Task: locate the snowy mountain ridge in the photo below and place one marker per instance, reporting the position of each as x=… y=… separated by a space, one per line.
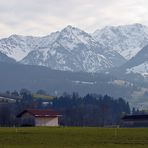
x=72 y=49
x=17 y=47
x=127 y=40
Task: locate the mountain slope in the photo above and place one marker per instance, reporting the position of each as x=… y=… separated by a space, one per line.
x=6 y=59
x=127 y=40
x=74 y=50
x=17 y=46
x=139 y=63
x=17 y=76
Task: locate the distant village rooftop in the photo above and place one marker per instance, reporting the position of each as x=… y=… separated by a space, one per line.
x=40 y=113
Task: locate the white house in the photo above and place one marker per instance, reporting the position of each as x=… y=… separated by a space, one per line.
x=39 y=117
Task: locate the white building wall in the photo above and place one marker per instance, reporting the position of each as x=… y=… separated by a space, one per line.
x=46 y=121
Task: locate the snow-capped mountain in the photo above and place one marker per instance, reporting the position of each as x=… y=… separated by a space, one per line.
x=139 y=63
x=127 y=40
x=74 y=50
x=17 y=46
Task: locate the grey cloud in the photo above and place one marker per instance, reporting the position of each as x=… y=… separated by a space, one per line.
x=39 y=17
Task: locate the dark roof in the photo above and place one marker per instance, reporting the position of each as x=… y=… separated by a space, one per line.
x=40 y=113
x=135 y=117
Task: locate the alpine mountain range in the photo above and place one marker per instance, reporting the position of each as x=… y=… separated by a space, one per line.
x=72 y=49
x=114 y=49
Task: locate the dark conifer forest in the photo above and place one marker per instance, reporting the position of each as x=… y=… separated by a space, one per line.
x=88 y=110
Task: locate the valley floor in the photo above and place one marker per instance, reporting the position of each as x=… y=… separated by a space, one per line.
x=73 y=137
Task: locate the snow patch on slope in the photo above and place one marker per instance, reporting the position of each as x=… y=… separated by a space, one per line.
x=141 y=69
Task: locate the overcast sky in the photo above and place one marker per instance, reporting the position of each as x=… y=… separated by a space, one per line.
x=40 y=17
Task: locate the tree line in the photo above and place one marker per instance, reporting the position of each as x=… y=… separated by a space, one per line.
x=88 y=110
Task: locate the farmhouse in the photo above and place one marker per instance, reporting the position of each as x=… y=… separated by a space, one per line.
x=37 y=117
x=135 y=121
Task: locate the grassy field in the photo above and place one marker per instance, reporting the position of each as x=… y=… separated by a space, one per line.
x=73 y=138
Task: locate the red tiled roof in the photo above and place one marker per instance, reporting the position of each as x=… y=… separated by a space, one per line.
x=40 y=113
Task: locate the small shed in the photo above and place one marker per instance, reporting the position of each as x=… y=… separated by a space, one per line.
x=39 y=117
x=135 y=121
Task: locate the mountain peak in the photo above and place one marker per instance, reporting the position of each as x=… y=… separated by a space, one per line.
x=138 y=25
x=127 y=40
x=15 y=36
x=70 y=28
x=74 y=32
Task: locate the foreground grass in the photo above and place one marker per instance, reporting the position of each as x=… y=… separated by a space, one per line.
x=73 y=138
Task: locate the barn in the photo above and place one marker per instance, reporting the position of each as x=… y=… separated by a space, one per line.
x=39 y=117
x=135 y=121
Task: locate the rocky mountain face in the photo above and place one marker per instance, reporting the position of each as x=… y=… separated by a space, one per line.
x=17 y=46
x=72 y=49
x=127 y=40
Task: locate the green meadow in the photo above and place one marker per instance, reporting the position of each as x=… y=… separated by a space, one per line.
x=73 y=137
